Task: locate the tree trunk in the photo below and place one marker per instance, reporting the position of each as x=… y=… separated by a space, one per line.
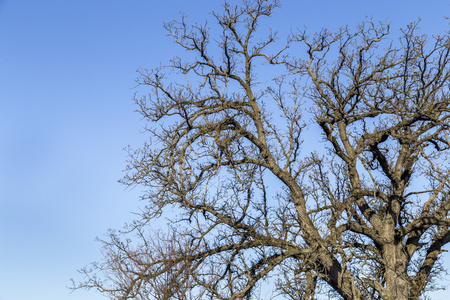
x=397 y=283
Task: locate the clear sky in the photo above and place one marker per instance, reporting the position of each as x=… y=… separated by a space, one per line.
x=67 y=71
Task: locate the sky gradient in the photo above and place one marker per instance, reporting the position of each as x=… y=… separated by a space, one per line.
x=67 y=71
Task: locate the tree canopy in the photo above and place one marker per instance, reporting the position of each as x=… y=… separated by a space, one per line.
x=230 y=134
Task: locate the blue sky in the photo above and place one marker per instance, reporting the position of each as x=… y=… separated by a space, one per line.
x=67 y=71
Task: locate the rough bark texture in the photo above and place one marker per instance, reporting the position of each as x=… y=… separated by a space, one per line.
x=365 y=220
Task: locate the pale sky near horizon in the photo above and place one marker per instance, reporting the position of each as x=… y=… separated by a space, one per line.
x=67 y=71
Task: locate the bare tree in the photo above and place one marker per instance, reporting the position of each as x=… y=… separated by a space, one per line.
x=366 y=219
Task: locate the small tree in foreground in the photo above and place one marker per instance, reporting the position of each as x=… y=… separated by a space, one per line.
x=366 y=219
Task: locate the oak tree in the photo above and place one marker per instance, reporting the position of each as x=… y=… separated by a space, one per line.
x=314 y=165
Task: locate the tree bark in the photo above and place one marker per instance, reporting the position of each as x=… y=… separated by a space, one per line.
x=397 y=283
